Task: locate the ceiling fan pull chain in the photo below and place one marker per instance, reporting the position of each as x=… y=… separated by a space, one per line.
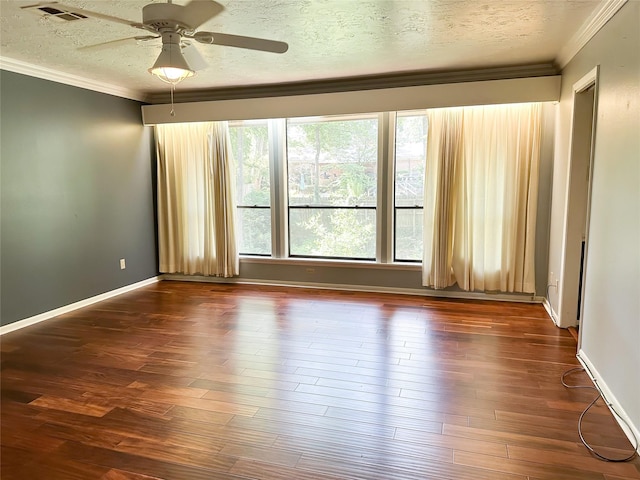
x=172 y=112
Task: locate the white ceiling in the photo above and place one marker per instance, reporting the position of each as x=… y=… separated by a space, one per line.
x=327 y=39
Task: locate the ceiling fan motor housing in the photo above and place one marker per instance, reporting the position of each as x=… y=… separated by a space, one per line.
x=165 y=16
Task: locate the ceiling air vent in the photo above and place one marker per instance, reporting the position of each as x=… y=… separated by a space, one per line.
x=61 y=14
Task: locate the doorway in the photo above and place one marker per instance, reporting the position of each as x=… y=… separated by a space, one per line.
x=576 y=226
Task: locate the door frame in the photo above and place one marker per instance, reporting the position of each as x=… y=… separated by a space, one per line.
x=578 y=199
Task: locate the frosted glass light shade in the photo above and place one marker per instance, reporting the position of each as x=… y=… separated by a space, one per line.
x=171 y=66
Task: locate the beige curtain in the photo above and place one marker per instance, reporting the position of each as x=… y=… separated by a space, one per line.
x=196 y=201
x=444 y=150
x=480 y=227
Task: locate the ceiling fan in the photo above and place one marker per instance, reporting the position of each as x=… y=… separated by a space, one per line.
x=177 y=25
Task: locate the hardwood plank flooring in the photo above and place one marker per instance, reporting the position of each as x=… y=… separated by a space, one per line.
x=193 y=381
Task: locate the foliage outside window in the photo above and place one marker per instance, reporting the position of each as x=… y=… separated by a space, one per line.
x=410 y=160
x=332 y=186
x=250 y=145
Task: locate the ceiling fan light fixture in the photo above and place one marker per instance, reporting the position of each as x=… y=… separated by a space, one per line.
x=171 y=66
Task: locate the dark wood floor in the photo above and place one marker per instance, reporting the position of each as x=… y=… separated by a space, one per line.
x=198 y=381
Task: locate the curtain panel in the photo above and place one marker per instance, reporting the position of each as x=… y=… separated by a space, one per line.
x=196 y=200
x=481 y=189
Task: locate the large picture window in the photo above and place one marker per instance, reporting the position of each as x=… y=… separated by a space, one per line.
x=410 y=160
x=332 y=186
x=250 y=145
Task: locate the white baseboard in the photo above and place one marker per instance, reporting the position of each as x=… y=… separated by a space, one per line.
x=522 y=298
x=610 y=399
x=74 y=306
x=547 y=306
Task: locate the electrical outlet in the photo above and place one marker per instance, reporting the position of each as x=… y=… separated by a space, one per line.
x=123 y=264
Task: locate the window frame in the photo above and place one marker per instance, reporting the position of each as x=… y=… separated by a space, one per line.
x=376 y=207
x=395 y=207
x=385 y=206
x=243 y=123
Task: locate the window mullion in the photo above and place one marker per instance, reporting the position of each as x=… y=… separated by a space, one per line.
x=385 y=187
x=278 y=172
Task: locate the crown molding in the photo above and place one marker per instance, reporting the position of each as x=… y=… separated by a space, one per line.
x=600 y=16
x=44 y=73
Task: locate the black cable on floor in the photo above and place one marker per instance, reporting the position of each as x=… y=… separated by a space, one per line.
x=584 y=412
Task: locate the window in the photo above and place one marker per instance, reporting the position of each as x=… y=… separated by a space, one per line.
x=410 y=160
x=250 y=145
x=332 y=186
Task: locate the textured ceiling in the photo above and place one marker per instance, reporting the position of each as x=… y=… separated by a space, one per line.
x=327 y=39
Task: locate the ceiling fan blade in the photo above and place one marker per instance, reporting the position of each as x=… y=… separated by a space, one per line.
x=86 y=13
x=193 y=57
x=197 y=12
x=239 y=41
x=111 y=43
